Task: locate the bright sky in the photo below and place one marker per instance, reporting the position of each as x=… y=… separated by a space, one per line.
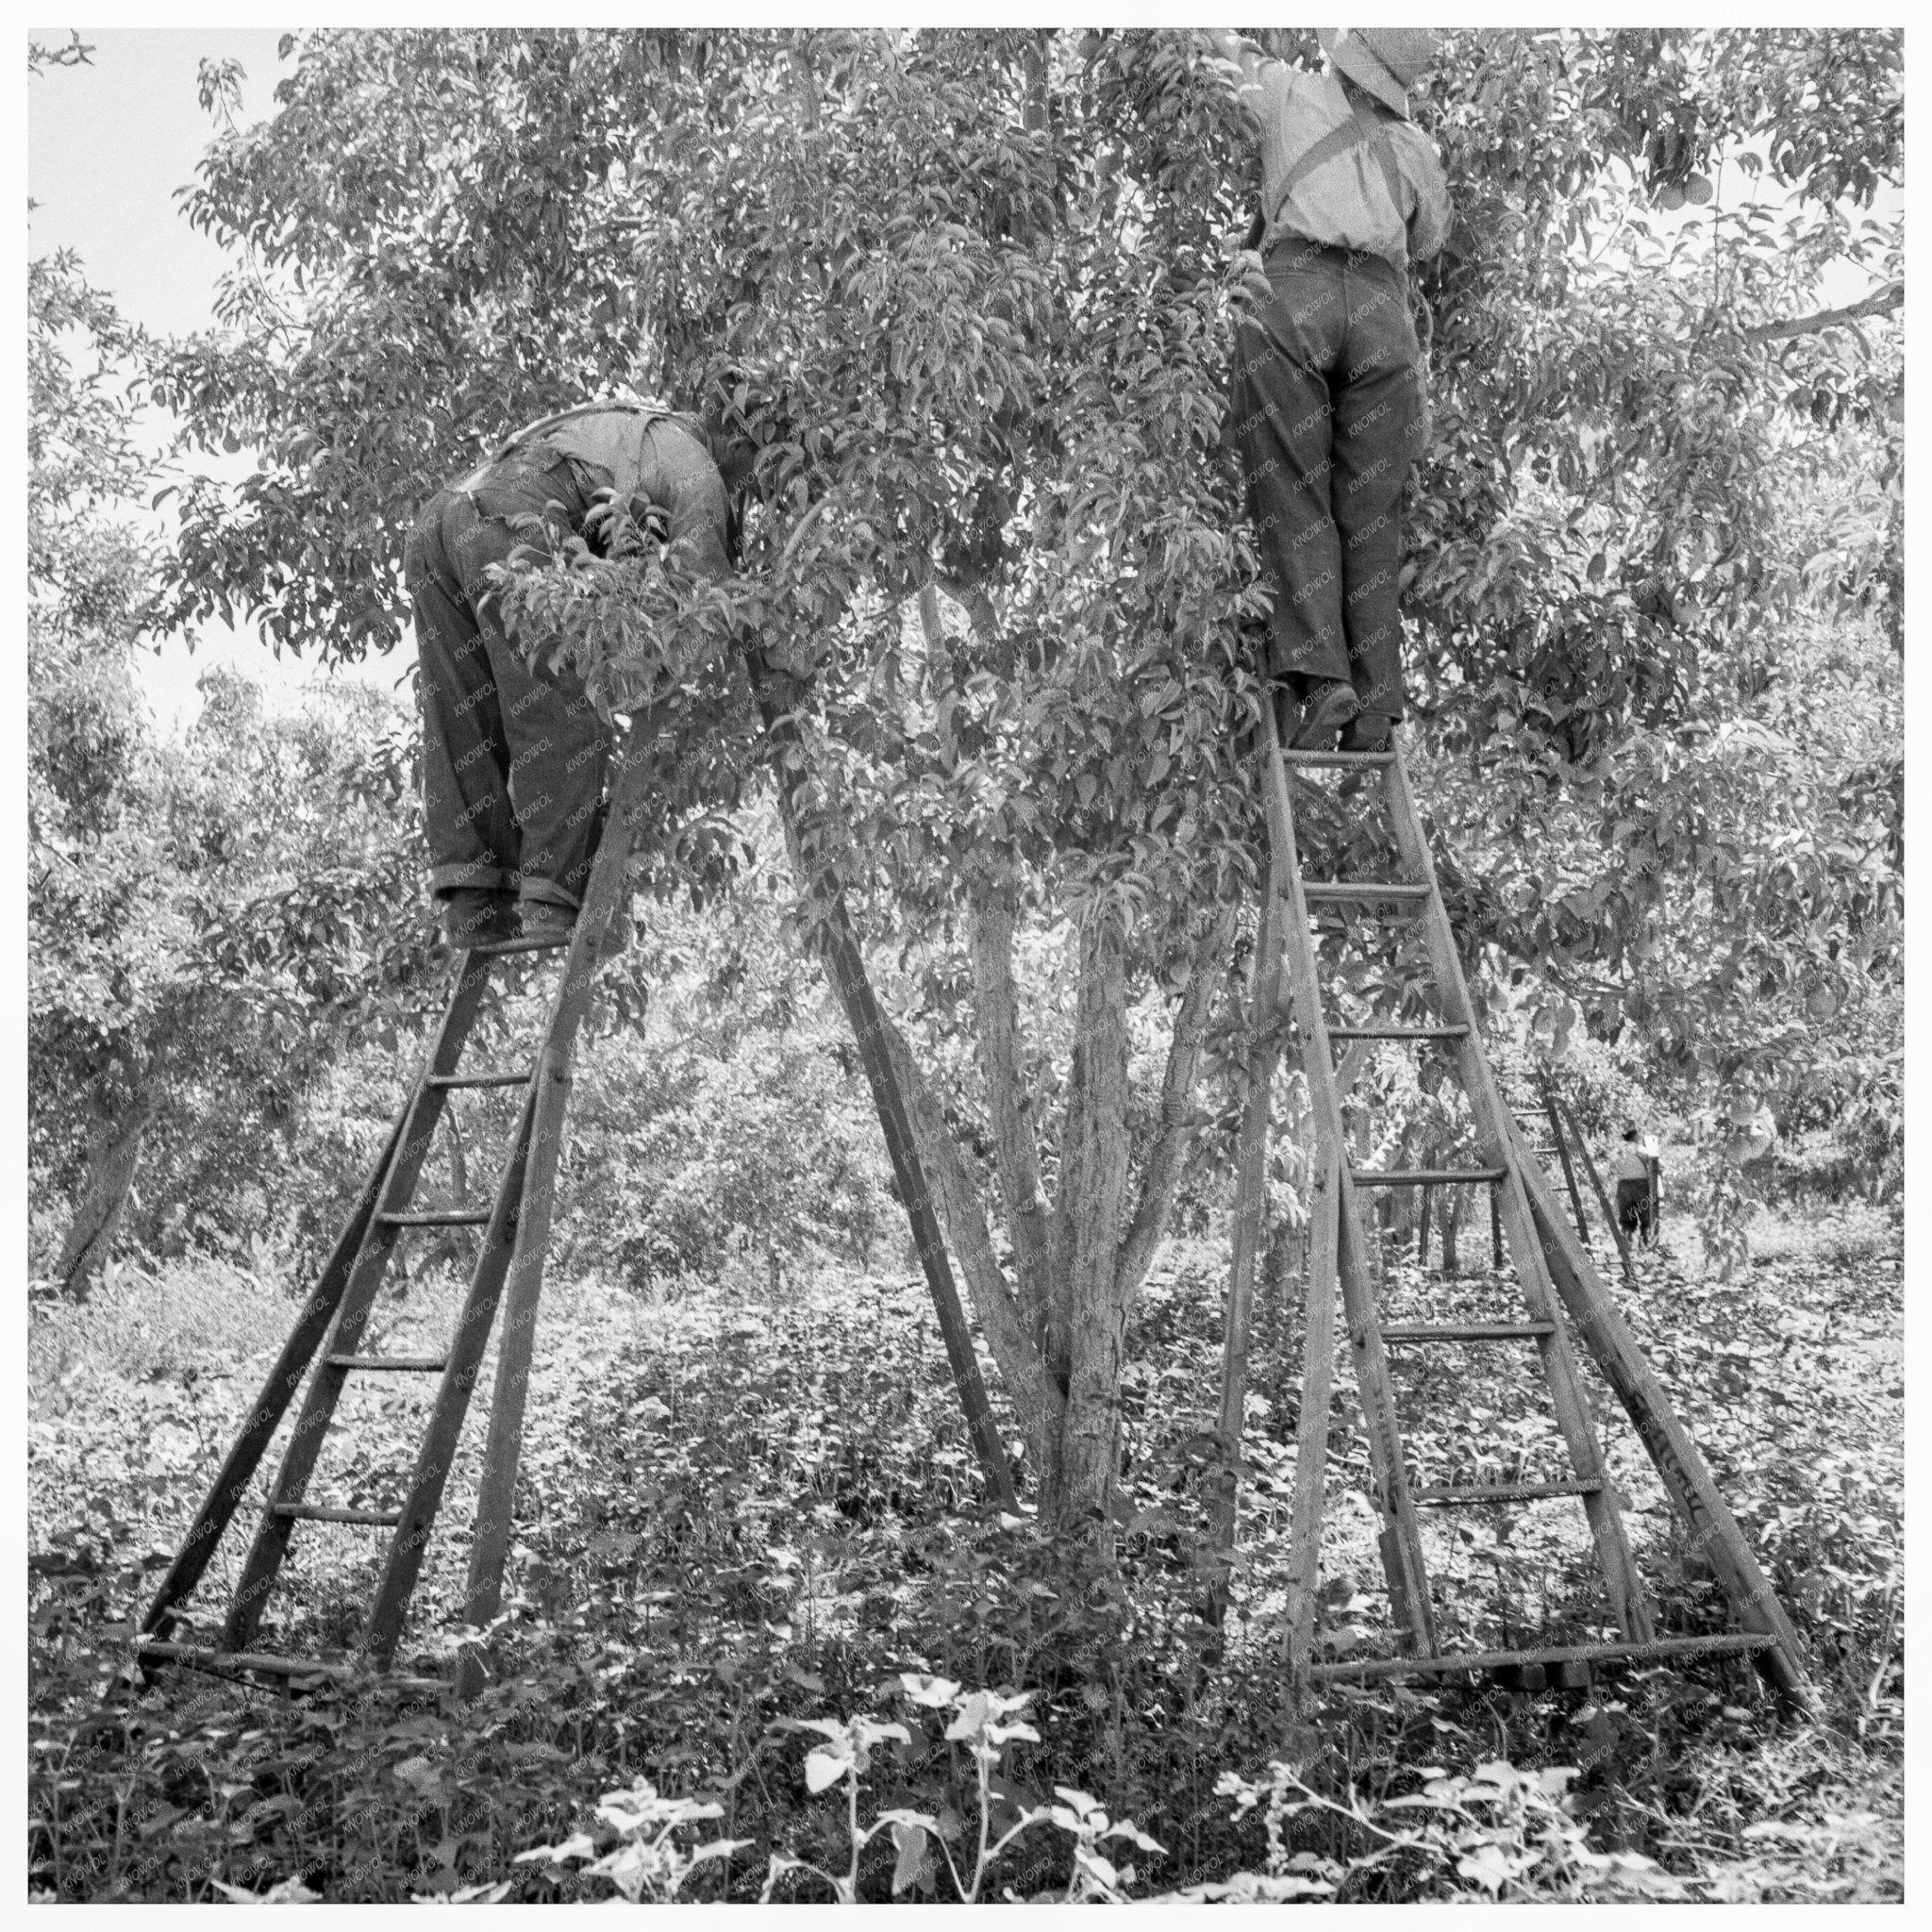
x=108 y=146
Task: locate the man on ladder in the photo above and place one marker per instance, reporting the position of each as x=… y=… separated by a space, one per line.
x=514 y=755
x=1327 y=401
x=515 y=762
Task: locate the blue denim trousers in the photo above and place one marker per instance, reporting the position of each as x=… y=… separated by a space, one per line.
x=1326 y=407
x=514 y=756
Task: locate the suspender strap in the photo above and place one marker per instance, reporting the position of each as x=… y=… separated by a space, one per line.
x=1362 y=130
x=1377 y=139
x=1337 y=141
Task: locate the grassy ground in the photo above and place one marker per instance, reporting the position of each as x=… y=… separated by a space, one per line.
x=739 y=1512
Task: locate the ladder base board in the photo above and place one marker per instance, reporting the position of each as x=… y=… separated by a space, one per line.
x=1453 y=1495
x=1466 y=1331
x=499 y=949
x=1398 y=1032
x=1734 y=1644
x=415 y=1364
x=1363 y=892
x=1425 y=1176
x=1355 y=760
x=322 y=1512
x=228 y=1663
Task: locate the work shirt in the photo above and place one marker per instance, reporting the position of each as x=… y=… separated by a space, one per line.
x=638 y=449
x=1320 y=174
x=1630 y=1164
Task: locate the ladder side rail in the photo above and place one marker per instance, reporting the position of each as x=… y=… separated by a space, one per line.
x=409 y=1541
x=1562 y=1148
x=1401 y=1544
x=1495 y=1126
x=1311 y=1428
x=1468 y=1663
x=1596 y=1182
x=1685 y=1475
x=1401 y=1540
x=1249 y=1209
x=503 y=1446
x=837 y=943
x=416 y=1129
x=238 y=1469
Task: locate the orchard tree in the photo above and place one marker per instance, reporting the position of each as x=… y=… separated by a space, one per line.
x=981 y=287
x=206 y=919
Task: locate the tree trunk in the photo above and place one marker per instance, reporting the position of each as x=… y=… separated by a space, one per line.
x=1091 y=1214
x=113 y=1150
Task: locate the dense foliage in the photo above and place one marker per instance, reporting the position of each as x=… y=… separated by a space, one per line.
x=740 y=1514
x=975 y=289
x=209 y=917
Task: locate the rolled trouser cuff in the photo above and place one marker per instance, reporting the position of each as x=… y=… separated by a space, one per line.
x=474 y=874
x=548 y=892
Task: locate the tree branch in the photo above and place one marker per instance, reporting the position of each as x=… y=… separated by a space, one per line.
x=1035 y=1396
x=798 y=49
x=995 y=1013
x=973 y=599
x=1008 y=1106
x=1161 y=1175
x=1880 y=302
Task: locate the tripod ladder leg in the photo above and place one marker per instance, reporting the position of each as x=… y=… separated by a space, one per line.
x=1251 y=1200
x=1311 y=1428
x=503 y=1447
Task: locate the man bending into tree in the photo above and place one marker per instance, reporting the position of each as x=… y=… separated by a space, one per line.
x=514 y=754
x=1326 y=397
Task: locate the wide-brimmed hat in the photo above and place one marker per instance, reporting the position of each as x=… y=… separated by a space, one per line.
x=1387 y=61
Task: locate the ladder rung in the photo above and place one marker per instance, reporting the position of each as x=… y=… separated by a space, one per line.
x=241 y=1661
x=1397 y=1032
x=1361 y=892
x=544 y=942
x=439 y=1217
x=1467 y=1331
x=1356 y=759
x=1731 y=1644
x=202 y=1656
x=1422 y=1177
x=425 y=1364
x=320 y=1512
x=479 y=1079
x=1506 y=1492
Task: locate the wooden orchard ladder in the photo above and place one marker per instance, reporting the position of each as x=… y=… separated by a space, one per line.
x=509 y=1270
x=1560 y=1290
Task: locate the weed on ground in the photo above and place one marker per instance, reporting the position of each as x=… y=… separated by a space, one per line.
x=739 y=1517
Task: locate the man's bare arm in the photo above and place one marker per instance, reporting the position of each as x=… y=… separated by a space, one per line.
x=1240 y=54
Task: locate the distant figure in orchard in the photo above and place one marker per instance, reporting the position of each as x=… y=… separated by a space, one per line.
x=1327 y=401
x=514 y=755
x=1639 y=1173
